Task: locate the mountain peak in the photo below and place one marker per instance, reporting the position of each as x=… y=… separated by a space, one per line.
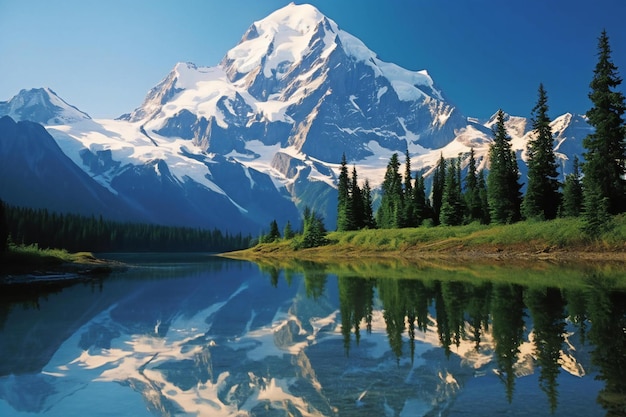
x=41 y=105
x=280 y=41
x=299 y=18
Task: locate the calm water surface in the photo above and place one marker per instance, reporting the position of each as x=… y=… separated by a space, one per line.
x=195 y=335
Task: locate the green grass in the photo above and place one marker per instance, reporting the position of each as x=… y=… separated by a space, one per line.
x=554 y=252
x=32 y=256
x=521 y=237
x=529 y=235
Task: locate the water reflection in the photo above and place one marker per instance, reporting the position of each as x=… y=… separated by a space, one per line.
x=554 y=321
x=205 y=336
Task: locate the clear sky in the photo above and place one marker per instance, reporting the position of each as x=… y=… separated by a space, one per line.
x=103 y=56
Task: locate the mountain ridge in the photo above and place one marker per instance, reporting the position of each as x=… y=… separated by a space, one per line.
x=260 y=136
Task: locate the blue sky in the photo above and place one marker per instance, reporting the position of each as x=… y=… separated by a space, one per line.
x=104 y=56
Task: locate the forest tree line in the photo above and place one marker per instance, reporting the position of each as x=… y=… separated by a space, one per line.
x=596 y=192
x=82 y=233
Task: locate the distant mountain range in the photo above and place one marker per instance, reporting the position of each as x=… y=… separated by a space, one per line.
x=256 y=138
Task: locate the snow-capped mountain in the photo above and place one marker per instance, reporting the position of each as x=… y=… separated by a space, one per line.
x=41 y=105
x=34 y=172
x=297 y=80
x=259 y=136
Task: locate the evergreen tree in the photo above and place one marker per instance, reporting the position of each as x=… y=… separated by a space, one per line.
x=390 y=211
x=409 y=218
x=419 y=200
x=451 y=207
x=597 y=218
x=502 y=182
x=4 y=228
x=313 y=231
x=439 y=180
x=472 y=192
x=572 y=192
x=357 y=209
x=78 y=233
x=542 y=197
x=605 y=160
x=484 y=198
x=344 y=215
x=274 y=234
x=288 y=231
x=368 y=214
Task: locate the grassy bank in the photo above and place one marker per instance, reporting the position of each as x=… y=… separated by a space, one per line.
x=560 y=238
x=32 y=260
x=554 y=253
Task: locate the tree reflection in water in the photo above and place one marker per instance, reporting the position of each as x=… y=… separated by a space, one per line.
x=509 y=312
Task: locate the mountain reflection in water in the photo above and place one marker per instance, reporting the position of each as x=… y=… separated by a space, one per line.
x=208 y=336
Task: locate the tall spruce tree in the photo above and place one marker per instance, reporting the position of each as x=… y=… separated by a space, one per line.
x=439 y=181
x=451 y=207
x=605 y=160
x=472 y=192
x=503 y=180
x=368 y=214
x=356 y=202
x=389 y=213
x=409 y=218
x=542 y=197
x=274 y=233
x=344 y=215
x=288 y=232
x=572 y=192
x=419 y=200
x=484 y=198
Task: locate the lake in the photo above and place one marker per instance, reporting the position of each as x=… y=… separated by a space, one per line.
x=196 y=335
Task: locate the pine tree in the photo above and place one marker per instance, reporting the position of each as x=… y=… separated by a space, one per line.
x=313 y=231
x=502 y=182
x=472 y=192
x=368 y=214
x=274 y=234
x=451 y=207
x=390 y=211
x=572 y=192
x=344 y=214
x=484 y=198
x=356 y=204
x=439 y=180
x=605 y=159
x=419 y=200
x=288 y=231
x=542 y=197
x=409 y=218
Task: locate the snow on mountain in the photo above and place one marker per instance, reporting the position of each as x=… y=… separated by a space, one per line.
x=260 y=136
x=36 y=172
x=296 y=79
x=568 y=131
x=41 y=105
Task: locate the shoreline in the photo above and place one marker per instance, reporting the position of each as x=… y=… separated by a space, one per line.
x=343 y=253
x=15 y=276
